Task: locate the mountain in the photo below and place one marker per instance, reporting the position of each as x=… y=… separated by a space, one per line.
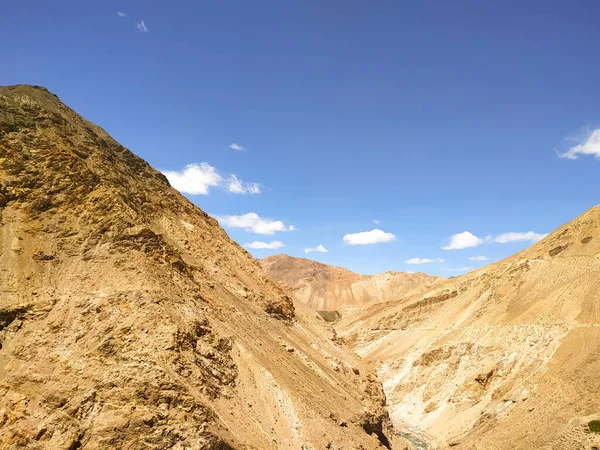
x=328 y=288
x=504 y=357
x=129 y=319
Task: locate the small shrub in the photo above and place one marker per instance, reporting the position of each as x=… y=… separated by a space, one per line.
x=330 y=316
x=41 y=204
x=594 y=426
x=556 y=250
x=6 y=128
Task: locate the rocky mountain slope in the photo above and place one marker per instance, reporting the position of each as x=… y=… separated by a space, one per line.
x=330 y=288
x=504 y=357
x=129 y=319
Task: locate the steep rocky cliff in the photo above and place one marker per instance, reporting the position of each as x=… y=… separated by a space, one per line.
x=129 y=319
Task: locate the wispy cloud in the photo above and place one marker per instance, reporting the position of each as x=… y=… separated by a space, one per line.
x=424 y=260
x=195 y=179
x=466 y=239
x=121 y=14
x=252 y=223
x=141 y=27
x=236 y=186
x=375 y=236
x=517 y=237
x=237 y=147
x=459 y=269
x=591 y=146
x=375 y=221
x=273 y=245
x=318 y=248
x=478 y=258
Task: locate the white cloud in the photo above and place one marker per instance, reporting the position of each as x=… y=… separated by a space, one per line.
x=195 y=179
x=375 y=221
x=318 y=248
x=141 y=27
x=460 y=269
x=468 y=240
x=121 y=14
x=236 y=186
x=253 y=188
x=252 y=223
x=462 y=240
x=478 y=258
x=517 y=237
x=368 y=237
x=423 y=260
x=264 y=245
x=590 y=147
x=237 y=147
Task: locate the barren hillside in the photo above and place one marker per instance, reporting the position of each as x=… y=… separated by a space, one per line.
x=129 y=319
x=504 y=357
x=329 y=288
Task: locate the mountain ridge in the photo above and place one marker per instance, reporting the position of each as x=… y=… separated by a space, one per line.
x=325 y=287
x=280 y=255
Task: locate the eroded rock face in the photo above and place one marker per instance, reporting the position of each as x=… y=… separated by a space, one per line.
x=504 y=357
x=129 y=319
x=330 y=288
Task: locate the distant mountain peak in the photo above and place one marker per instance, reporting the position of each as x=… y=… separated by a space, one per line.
x=325 y=287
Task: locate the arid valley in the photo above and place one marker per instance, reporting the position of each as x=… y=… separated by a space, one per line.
x=129 y=319
x=299 y=225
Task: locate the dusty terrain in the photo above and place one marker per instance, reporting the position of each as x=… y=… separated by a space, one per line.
x=504 y=357
x=330 y=288
x=129 y=319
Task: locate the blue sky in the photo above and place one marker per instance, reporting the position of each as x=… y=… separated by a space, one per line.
x=433 y=118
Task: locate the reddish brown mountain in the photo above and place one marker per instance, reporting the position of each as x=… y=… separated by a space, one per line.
x=329 y=288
